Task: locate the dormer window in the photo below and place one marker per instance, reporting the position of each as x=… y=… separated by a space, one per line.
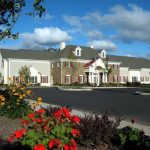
x=78 y=51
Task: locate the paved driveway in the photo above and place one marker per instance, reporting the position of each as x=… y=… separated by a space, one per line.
x=120 y=101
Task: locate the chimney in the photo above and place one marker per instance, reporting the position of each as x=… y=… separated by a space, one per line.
x=62 y=45
x=92 y=46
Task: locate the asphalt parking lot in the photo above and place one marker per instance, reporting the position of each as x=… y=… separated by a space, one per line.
x=120 y=101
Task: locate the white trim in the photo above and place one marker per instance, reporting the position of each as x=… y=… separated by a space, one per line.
x=81 y=78
x=69 y=78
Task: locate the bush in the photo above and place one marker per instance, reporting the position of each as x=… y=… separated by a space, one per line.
x=12 y=101
x=41 y=131
x=95 y=129
x=132 y=138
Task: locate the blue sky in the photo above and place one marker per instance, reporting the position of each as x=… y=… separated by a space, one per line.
x=119 y=26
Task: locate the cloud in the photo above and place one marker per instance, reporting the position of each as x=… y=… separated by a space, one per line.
x=129 y=24
x=45 y=37
x=94 y=34
x=103 y=44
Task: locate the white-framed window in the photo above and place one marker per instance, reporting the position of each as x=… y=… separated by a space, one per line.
x=58 y=65
x=134 y=79
x=80 y=79
x=67 y=79
x=78 y=51
x=33 y=79
x=52 y=66
x=125 y=78
x=115 y=78
x=67 y=64
x=44 y=79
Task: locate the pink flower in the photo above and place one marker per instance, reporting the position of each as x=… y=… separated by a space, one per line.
x=39 y=147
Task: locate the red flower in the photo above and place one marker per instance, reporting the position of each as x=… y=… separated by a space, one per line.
x=55 y=143
x=24 y=122
x=10 y=139
x=41 y=111
x=20 y=133
x=66 y=112
x=75 y=132
x=39 y=120
x=75 y=119
x=66 y=147
x=70 y=146
x=31 y=116
x=57 y=114
x=47 y=128
x=39 y=147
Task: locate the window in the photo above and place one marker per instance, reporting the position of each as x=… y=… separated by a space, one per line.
x=80 y=79
x=142 y=79
x=67 y=79
x=67 y=64
x=44 y=79
x=125 y=78
x=134 y=79
x=58 y=65
x=52 y=66
x=115 y=78
x=78 y=53
x=33 y=79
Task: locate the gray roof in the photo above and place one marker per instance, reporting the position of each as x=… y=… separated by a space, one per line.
x=26 y=54
x=131 y=62
x=87 y=54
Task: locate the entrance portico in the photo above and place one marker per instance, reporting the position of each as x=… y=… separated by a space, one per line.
x=96 y=72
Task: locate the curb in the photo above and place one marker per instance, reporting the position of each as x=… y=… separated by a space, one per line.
x=123 y=123
x=71 y=89
x=141 y=93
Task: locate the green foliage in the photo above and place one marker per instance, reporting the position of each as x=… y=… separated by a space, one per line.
x=25 y=73
x=40 y=128
x=10 y=11
x=130 y=137
x=13 y=105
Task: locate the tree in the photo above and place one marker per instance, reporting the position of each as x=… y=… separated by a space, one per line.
x=24 y=73
x=10 y=11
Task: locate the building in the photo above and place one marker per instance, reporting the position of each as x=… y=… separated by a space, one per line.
x=73 y=64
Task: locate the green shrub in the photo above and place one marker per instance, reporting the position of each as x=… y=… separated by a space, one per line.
x=12 y=103
x=53 y=132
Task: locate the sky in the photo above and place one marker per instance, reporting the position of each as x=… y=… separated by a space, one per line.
x=122 y=27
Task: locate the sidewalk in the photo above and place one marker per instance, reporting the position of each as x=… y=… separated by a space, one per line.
x=123 y=123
